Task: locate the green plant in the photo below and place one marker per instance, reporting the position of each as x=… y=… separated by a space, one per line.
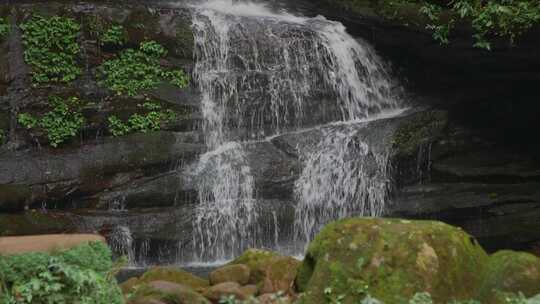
x=51 y=48
x=79 y=275
x=228 y=300
x=421 y=298
x=137 y=70
x=115 y=35
x=63 y=121
x=489 y=19
x=149 y=121
x=4 y=28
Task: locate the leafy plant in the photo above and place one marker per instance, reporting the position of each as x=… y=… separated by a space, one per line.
x=4 y=28
x=150 y=121
x=51 y=48
x=494 y=18
x=62 y=122
x=421 y=298
x=79 y=275
x=115 y=35
x=228 y=300
x=137 y=70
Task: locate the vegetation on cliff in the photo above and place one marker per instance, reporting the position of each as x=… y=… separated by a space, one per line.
x=52 y=49
x=137 y=70
x=489 y=20
x=62 y=122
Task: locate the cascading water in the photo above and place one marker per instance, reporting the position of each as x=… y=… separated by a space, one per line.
x=261 y=74
x=225 y=217
x=344 y=175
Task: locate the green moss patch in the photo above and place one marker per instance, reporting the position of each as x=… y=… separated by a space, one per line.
x=421 y=129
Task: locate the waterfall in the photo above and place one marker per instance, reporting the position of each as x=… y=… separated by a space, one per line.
x=261 y=74
x=344 y=174
x=225 y=218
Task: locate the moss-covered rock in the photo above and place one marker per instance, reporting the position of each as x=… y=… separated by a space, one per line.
x=172 y=293
x=173 y=275
x=390 y=259
x=510 y=271
x=279 y=276
x=257 y=261
x=219 y=291
x=238 y=273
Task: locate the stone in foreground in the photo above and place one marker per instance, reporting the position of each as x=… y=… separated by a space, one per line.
x=391 y=260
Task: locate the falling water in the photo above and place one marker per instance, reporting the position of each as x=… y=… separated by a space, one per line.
x=344 y=174
x=225 y=218
x=263 y=73
x=121 y=242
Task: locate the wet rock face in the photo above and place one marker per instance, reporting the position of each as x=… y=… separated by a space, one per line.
x=461 y=177
x=86 y=167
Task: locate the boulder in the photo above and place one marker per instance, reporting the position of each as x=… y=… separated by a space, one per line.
x=271 y=298
x=173 y=275
x=182 y=293
x=256 y=260
x=391 y=260
x=216 y=292
x=238 y=273
x=249 y=290
x=146 y=300
x=128 y=285
x=279 y=275
x=166 y=292
x=45 y=243
x=510 y=271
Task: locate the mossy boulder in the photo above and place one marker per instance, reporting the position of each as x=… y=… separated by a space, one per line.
x=173 y=275
x=391 y=260
x=257 y=261
x=510 y=271
x=238 y=273
x=279 y=276
x=166 y=292
x=219 y=291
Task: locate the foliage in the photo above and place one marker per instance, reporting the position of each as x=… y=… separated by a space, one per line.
x=508 y=19
x=421 y=298
x=137 y=70
x=4 y=28
x=51 y=48
x=62 y=122
x=79 y=275
x=277 y=298
x=115 y=35
x=150 y=121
